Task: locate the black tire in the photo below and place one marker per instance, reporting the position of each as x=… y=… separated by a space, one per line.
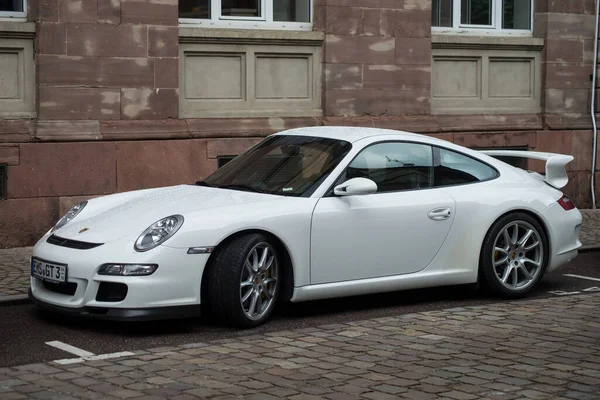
x=223 y=279
x=490 y=277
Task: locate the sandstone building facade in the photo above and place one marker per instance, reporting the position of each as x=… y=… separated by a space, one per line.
x=104 y=96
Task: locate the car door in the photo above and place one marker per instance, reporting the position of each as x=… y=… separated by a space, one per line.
x=397 y=230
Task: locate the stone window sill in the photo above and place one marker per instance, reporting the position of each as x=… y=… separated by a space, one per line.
x=245 y=36
x=17 y=30
x=486 y=42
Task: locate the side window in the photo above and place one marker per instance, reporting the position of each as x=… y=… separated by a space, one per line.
x=394 y=166
x=452 y=168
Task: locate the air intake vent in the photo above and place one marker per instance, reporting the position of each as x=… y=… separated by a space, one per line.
x=73 y=244
x=3 y=178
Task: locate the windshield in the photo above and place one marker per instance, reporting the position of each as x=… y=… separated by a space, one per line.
x=282 y=165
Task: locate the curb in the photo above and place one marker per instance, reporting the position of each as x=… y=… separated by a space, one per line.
x=590 y=247
x=14 y=299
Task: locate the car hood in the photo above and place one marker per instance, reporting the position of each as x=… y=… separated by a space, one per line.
x=128 y=214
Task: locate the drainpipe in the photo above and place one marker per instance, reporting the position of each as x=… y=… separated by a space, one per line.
x=593 y=113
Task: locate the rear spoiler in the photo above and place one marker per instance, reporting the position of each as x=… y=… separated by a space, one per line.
x=556 y=172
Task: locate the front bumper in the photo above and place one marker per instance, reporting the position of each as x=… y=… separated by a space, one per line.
x=122 y=314
x=172 y=290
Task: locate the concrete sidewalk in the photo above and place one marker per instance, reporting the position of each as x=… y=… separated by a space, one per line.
x=528 y=349
x=14 y=263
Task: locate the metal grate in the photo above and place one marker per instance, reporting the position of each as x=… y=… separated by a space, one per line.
x=3 y=179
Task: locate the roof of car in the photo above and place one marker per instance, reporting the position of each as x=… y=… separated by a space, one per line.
x=348 y=133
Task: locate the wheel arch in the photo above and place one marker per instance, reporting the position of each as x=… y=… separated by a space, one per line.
x=287 y=288
x=536 y=216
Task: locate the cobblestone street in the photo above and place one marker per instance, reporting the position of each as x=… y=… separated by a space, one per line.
x=532 y=349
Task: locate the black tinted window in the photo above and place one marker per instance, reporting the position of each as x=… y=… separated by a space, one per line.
x=394 y=166
x=452 y=168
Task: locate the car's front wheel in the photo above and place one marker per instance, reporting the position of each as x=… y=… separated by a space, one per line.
x=244 y=281
x=514 y=255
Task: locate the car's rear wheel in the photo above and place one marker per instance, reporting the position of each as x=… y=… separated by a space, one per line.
x=244 y=281
x=514 y=255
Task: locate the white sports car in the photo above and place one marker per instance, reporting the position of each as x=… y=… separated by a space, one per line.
x=307 y=214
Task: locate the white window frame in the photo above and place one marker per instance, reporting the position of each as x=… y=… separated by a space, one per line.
x=14 y=15
x=495 y=29
x=265 y=21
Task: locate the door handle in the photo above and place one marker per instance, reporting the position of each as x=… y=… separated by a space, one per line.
x=440 y=214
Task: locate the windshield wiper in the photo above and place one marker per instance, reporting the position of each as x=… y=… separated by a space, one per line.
x=244 y=188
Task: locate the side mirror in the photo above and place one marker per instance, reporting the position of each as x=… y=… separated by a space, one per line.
x=355 y=186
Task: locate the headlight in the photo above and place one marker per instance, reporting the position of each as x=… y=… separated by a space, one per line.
x=158 y=232
x=72 y=213
x=127 y=269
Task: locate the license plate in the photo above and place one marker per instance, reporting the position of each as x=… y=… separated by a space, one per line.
x=49 y=271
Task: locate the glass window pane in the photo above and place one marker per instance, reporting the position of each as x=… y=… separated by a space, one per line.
x=394 y=166
x=241 y=8
x=476 y=12
x=441 y=13
x=11 y=5
x=516 y=14
x=291 y=10
x=455 y=169
x=194 y=9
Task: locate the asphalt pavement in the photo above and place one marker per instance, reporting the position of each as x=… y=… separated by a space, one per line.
x=25 y=330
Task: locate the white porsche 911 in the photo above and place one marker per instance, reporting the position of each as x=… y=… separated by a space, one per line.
x=311 y=213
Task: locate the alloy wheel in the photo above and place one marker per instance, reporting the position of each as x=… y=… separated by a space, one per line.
x=258 y=281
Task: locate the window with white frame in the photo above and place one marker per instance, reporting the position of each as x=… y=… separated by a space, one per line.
x=483 y=16
x=12 y=8
x=292 y=14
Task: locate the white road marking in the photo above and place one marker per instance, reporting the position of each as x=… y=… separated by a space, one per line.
x=70 y=349
x=589 y=278
x=592 y=289
x=94 y=357
x=562 y=293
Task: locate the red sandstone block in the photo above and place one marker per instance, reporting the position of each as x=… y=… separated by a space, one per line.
x=377 y=102
x=514 y=139
x=146 y=103
x=107 y=40
x=9 y=154
x=63 y=169
x=372 y=22
x=402 y=23
x=358 y=49
x=581 y=150
x=229 y=147
x=343 y=76
x=51 y=38
x=95 y=71
x=320 y=18
x=566 y=6
x=567 y=100
x=480 y=139
x=571 y=26
x=48 y=10
x=150 y=12
x=109 y=11
x=564 y=50
x=465 y=123
x=411 y=123
x=393 y=77
x=65 y=131
x=14 y=131
x=149 y=129
x=85 y=11
x=163 y=41
x=413 y=51
x=79 y=103
x=568 y=76
x=25 y=221
x=147 y=164
x=417 y=5
x=568 y=121
x=166 y=73
x=344 y=20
